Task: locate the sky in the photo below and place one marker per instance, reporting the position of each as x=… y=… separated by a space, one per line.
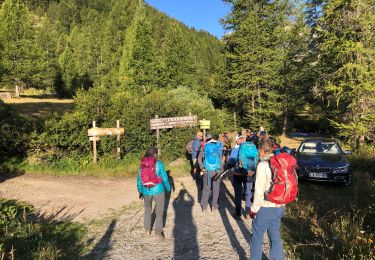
x=200 y=14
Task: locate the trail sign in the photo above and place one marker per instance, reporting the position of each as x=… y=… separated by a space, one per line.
x=96 y=131
x=94 y=134
x=171 y=122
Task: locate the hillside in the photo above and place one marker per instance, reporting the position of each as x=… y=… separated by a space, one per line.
x=81 y=44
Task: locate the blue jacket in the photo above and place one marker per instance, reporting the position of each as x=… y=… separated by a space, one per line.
x=158 y=188
x=197 y=143
x=232 y=161
x=234 y=152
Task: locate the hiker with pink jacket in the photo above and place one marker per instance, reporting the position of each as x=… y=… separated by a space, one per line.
x=152 y=183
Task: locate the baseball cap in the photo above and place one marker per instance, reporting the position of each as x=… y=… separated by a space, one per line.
x=238 y=137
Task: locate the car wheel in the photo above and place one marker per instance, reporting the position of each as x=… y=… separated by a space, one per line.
x=348 y=181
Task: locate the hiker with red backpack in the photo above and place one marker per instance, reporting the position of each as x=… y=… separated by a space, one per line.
x=276 y=185
x=152 y=182
x=210 y=164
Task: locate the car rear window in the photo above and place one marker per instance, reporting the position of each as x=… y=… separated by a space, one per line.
x=320 y=147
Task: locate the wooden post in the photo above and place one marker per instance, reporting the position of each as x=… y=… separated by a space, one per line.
x=94 y=143
x=17 y=92
x=204 y=135
x=158 y=137
x=118 y=141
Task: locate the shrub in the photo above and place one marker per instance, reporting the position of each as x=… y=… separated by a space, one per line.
x=15 y=133
x=68 y=136
x=25 y=235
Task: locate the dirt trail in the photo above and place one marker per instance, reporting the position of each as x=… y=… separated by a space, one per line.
x=73 y=198
x=190 y=234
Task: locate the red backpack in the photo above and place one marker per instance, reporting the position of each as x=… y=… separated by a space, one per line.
x=284 y=185
x=148 y=172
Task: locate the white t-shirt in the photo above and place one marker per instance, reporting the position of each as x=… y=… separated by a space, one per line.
x=262 y=184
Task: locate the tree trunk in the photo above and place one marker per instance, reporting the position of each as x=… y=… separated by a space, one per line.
x=17 y=91
x=259 y=100
x=253 y=104
x=285 y=122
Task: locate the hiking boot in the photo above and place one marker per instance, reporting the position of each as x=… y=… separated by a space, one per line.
x=237 y=216
x=160 y=236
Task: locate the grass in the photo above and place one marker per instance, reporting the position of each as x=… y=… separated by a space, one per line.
x=333 y=221
x=38 y=104
x=26 y=235
x=107 y=166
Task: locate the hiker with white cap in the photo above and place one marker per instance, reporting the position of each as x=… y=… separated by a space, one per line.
x=210 y=162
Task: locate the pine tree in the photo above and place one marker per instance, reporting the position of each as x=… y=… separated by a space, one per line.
x=347 y=59
x=296 y=69
x=254 y=58
x=21 y=57
x=138 y=64
x=179 y=62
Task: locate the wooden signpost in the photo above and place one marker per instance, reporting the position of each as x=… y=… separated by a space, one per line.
x=94 y=134
x=204 y=125
x=171 y=122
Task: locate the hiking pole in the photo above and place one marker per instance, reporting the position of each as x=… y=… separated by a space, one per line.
x=221 y=175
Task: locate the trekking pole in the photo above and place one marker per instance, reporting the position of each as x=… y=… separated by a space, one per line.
x=221 y=175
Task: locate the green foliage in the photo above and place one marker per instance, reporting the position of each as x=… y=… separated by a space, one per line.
x=264 y=53
x=331 y=221
x=347 y=62
x=78 y=44
x=21 y=58
x=25 y=235
x=67 y=137
x=138 y=67
x=15 y=133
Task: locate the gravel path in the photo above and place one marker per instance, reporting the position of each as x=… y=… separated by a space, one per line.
x=190 y=234
x=114 y=216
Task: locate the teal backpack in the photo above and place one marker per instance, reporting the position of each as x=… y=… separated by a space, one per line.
x=212 y=159
x=248 y=157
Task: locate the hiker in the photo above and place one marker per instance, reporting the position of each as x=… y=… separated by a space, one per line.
x=243 y=176
x=227 y=147
x=252 y=136
x=152 y=183
x=196 y=147
x=233 y=157
x=267 y=215
x=222 y=149
x=210 y=164
x=275 y=146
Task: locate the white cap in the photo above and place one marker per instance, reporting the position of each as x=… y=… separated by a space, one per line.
x=238 y=137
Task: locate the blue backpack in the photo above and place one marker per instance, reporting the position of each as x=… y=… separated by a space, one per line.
x=212 y=158
x=220 y=146
x=248 y=157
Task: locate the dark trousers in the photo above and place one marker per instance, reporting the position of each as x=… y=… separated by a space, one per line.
x=242 y=183
x=159 y=211
x=208 y=182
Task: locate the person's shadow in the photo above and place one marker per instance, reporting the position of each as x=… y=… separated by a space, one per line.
x=168 y=196
x=184 y=231
x=227 y=203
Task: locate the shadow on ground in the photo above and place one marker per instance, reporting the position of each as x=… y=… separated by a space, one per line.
x=102 y=247
x=7 y=173
x=185 y=231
